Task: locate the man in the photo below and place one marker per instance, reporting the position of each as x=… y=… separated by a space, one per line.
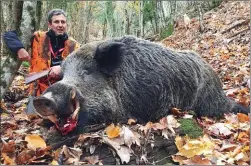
x=48 y=49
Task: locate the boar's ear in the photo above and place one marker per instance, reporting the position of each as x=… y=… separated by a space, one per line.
x=109 y=56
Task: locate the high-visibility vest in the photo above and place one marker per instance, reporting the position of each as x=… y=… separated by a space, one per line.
x=41 y=58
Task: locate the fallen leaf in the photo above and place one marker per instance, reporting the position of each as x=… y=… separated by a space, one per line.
x=113 y=131
x=83 y=137
x=129 y=137
x=35 y=141
x=7 y=159
x=131 y=121
x=179 y=159
x=197 y=160
x=243 y=117
x=25 y=157
x=220 y=129
x=146 y=128
x=21 y=117
x=187 y=116
x=123 y=151
x=54 y=162
x=8 y=147
x=71 y=154
x=243 y=137
x=92 y=159
x=192 y=147
x=226 y=145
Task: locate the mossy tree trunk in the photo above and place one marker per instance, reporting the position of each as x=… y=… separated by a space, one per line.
x=20 y=16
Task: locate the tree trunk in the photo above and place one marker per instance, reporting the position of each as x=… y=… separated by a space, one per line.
x=87 y=20
x=141 y=19
x=104 y=29
x=127 y=24
x=200 y=12
x=11 y=64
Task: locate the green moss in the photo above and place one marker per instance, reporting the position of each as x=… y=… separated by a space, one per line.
x=190 y=127
x=167 y=31
x=25 y=64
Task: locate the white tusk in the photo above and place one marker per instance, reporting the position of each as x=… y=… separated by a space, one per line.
x=75 y=113
x=52 y=118
x=73 y=91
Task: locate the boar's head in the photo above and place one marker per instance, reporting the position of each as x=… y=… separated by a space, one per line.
x=87 y=86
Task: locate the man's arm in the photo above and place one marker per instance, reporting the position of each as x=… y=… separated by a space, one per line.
x=14 y=44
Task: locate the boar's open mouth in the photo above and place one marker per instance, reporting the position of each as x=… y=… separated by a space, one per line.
x=48 y=109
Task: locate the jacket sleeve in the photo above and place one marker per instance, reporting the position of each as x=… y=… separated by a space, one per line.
x=12 y=41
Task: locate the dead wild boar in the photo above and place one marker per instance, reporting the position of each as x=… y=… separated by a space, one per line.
x=129 y=77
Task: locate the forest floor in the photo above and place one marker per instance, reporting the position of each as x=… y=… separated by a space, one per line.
x=224 y=44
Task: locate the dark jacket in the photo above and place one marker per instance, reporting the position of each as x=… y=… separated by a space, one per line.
x=12 y=41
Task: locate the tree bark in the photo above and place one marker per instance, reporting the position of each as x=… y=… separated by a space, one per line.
x=127 y=24
x=25 y=28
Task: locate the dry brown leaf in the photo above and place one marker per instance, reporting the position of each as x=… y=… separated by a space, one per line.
x=123 y=151
x=131 y=121
x=226 y=145
x=231 y=118
x=25 y=157
x=243 y=137
x=176 y=111
x=7 y=159
x=197 y=160
x=83 y=137
x=9 y=124
x=92 y=159
x=54 y=162
x=179 y=159
x=35 y=141
x=145 y=128
x=71 y=154
x=113 y=131
x=21 y=117
x=243 y=117
x=191 y=147
x=8 y=147
x=220 y=129
x=129 y=137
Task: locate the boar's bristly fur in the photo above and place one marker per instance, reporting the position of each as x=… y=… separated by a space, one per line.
x=134 y=78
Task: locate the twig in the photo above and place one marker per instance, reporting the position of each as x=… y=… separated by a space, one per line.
x=94 y=128
x=244 y=30
x=162 y=159
x=235 y=25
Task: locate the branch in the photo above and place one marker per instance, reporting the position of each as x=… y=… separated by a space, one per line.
x=243 y=22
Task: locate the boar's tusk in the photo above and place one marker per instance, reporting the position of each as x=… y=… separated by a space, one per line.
x=73 y=93
x=75 y=113
x=52 y=118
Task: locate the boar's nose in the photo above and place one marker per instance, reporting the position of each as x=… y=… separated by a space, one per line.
x=44 y=106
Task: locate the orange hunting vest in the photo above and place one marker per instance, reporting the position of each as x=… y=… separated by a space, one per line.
x=41 y=59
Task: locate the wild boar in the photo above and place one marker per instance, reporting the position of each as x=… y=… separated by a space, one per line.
x=129 y=77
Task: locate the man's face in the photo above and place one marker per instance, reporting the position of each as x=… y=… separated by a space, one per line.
x=58 y=24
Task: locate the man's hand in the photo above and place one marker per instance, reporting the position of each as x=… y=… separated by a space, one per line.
x=55 y=72
x=23 y=55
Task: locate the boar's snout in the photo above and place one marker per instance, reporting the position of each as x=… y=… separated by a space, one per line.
x=44 y=106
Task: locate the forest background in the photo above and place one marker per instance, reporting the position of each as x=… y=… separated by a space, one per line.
x=94 y=20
